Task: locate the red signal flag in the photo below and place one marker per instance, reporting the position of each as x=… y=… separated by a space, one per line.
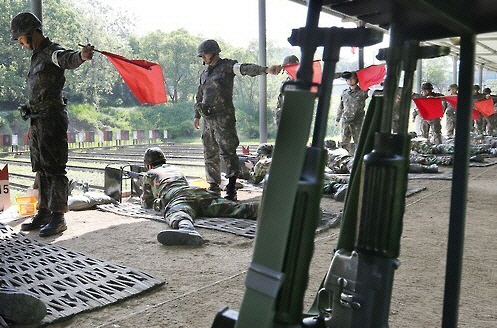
x=486 y=107
x=371 y=75
x=453 y=101
x=144 y=78
x=429 y=108
x=317 y=72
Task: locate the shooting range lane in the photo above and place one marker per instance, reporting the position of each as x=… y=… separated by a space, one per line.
x=199 y=281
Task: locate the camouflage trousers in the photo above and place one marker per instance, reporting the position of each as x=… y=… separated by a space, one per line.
x=436 y=130
x=196 y=202
x=450 y=124
x=491 y=124
x=480 y=125
x=350 y=130
x=49 y=151
x=220 y=139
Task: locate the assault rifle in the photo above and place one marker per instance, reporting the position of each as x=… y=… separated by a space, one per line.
x=357 y=289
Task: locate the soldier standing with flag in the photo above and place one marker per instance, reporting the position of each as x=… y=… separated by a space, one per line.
x=434 y=124
x=450 y=112
x=49 y=121
x=214 y=103
x=351 y=110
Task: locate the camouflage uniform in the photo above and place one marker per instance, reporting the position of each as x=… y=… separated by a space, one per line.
x=260 y=169
x=450 y=118
x=279 y=102
x=434 y=125
x=339 y=161
x=479 y=124
x=165 y=189
x=335 y=186
x=351 y=113
x=214 y=102
x=49 y=121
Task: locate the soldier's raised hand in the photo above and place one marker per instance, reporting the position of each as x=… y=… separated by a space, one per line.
x=274 y=70
x=87 y=52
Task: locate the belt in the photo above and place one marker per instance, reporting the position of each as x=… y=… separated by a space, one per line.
x=47 y=104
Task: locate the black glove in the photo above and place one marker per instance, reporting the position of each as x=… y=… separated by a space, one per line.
x=25 y=112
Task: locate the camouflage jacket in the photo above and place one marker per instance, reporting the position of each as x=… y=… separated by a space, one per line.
x=260 y=170
x=279 y=102
x=352 y=105
x=46 y=73
x=215 y=90
x=449 y=110
x=161 y=185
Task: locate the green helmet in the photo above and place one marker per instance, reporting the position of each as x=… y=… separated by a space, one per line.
x=331 y=144
x=24 y=24
x=154 y=156
x=427 y=86
x=349 y=75
x=292 y=59
x=208 y=47
x=265 y=149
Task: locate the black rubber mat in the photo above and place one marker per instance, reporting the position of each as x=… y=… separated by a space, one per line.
x=240 y=227
x=67 y=282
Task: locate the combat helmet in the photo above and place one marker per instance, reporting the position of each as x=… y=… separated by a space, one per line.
x=330 y=144
x=154 y=156
x=24 y=24
x=349 y=75
x=208 y=47
x=427 y=86
x=292 y=59
x=265 y=149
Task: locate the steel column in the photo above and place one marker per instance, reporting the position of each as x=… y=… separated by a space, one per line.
x=263 y=77
x=459 y=184
x=36 y=9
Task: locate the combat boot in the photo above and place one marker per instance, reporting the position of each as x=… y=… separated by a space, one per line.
x=56 y=225
x=231 y=189
x=185 y=235
x=20 y=307
x=214 y=189
x=41 y=218
x=341 y=192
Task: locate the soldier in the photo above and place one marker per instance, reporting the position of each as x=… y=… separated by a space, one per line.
x=433 y=124
x=165 y=189
x=450 y=112
x=214 y=103
x=292 y=59
x=47 y=111
x=478 y=123
x=259 y=170
x=351 y=110
x=339 y=160
x=490 y=121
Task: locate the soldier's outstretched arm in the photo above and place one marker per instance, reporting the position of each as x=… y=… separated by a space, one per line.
x=70 y=59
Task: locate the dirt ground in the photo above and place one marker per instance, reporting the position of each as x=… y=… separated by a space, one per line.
x=200 y=281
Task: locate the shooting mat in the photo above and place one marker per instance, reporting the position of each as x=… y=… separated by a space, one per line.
x=67 y=282
x=240 y=227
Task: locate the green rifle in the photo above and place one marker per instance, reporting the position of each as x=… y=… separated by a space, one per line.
x=277 y=277
x=356 y=291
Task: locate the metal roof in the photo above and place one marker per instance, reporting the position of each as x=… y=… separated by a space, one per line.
x=436 y=22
